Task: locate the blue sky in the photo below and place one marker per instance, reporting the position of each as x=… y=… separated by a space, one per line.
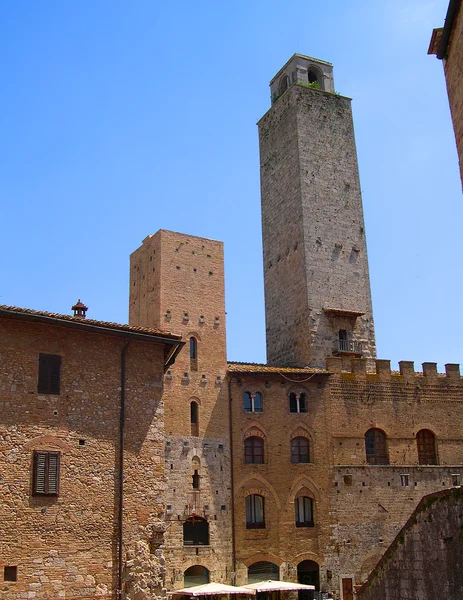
x=120 y=118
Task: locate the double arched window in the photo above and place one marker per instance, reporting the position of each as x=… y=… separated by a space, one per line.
x=254 y=450
x=426 y=443
x=376 y=447
x=252 y=401
x=300 y=450
x=255 y=516
x=298 y=402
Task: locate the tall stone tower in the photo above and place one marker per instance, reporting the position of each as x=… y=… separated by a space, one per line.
x=317 y=288
x=177 y=283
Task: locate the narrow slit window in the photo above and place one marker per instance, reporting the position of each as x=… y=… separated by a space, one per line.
x=193 y=348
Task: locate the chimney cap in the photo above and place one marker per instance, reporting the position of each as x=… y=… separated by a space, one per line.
x=79 y=309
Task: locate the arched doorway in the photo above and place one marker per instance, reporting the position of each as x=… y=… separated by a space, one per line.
x=262 y=571
x=308 y=573
x=195 y=575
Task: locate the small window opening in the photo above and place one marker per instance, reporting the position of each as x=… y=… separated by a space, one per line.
x=456 y=480
x=81 y=442
x=10 y=573
x=347 y=479
x=404 y=480
x=196 y=480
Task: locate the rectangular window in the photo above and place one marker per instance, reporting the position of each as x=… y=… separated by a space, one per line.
x=49 y=374
x=404 y=480
x=46 y=473
x=456 y=479
x=10 y=573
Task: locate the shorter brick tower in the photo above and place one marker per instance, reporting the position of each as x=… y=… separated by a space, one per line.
x=177 y=283
x=317 y=288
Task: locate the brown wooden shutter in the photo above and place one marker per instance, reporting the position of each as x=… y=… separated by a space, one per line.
x=49 y=374
x=46 y=473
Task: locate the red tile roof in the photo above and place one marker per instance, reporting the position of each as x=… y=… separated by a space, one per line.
x=6 y=311
x=237 y=367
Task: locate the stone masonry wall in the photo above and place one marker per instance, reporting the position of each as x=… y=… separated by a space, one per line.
x=66 y=546
x=424 y=561
x=453 y=66
x=313 y=228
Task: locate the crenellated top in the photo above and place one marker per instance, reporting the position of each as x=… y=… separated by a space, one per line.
x=335 y=365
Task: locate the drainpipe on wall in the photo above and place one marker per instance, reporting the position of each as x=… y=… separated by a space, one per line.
x=232 y=480
x=121 y=469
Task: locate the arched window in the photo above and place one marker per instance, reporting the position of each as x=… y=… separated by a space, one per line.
x=426 y=442
x=254 y=450
x=255 y=517
x=300 y=450
x=312 y=76
x=196 y=532
x=263 y=571
x=297 y=403
x=195 y=575
x=284 y=84
x=193 y=348
x=376 y=447
x=194 y=418
x=252 y=401
x=304 y=511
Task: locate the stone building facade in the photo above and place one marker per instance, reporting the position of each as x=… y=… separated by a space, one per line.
x=70 y=388
x=447 y=44
x=303 y=469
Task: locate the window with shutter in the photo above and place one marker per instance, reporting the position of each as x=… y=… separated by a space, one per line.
x=49 y=374
x=46 y=473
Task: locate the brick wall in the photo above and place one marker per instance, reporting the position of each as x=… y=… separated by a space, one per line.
x=177 y=282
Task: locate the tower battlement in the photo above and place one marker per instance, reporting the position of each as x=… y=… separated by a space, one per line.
x=358 y=368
